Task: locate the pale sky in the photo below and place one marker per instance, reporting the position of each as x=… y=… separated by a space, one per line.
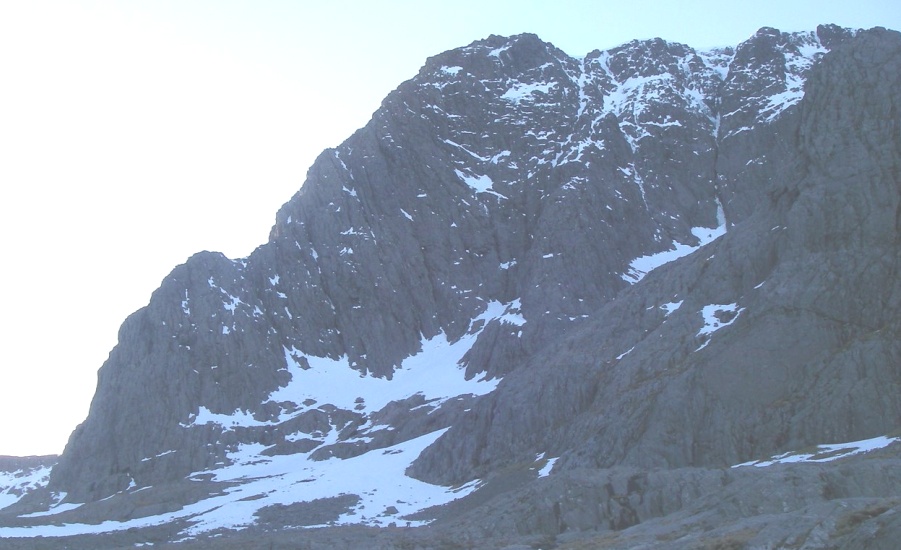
x=135 y=133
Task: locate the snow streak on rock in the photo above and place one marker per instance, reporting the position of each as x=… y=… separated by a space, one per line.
x=639 y=267
x=825 y=453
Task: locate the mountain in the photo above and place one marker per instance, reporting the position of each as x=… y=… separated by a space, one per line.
x=536 y=300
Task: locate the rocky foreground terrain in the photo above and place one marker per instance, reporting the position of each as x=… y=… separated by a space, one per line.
x=644 y=298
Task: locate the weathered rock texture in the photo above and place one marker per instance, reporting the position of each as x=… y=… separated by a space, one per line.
x=813 y=352
x=507 y=171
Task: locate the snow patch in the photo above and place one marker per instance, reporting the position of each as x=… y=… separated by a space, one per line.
x=496 y=158
x=641 y=266
x=185 y=304
x=717 y=316
x=164 y=453
x=289 y=479
x=235 y=419
x=466 y=150
x=479 y=184
x=435 y=372
x=512 y=313
x=263 y=481
x=232 y=304
x=14 y=485
x=546 y=470
x=670 y=307
x=55 y=509
x=523 y=91
x=797 y=65
x=498 y=51
x=718 y=61
x=825 y=453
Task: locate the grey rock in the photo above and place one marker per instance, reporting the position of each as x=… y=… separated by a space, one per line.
x=809 y=357
x=301 y=514
x=507 y=171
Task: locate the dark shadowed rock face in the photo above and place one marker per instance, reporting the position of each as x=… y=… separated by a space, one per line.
x=516 y=199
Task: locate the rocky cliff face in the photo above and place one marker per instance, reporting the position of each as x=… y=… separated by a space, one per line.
x=806 y=284
x=649 y=257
